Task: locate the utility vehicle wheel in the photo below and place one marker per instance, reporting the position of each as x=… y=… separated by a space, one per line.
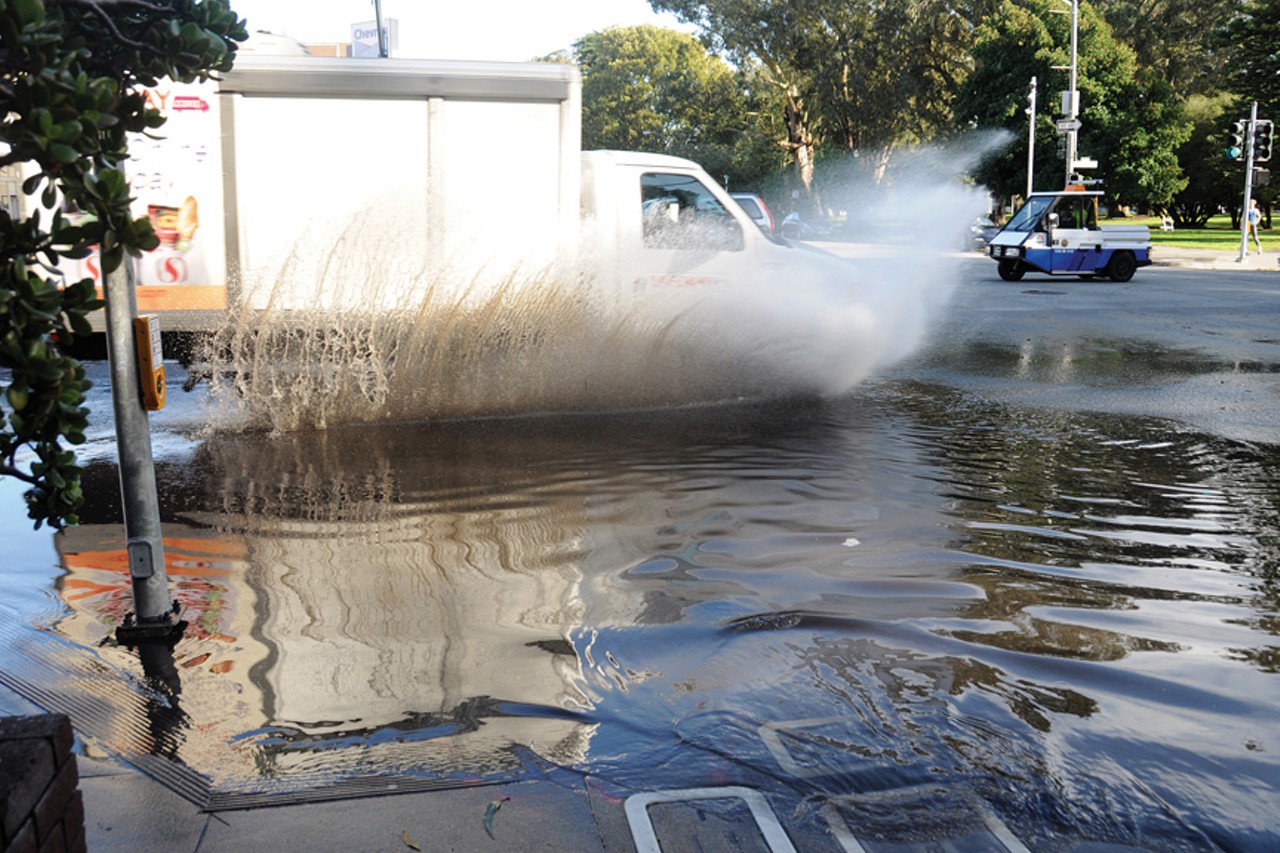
x=1122 y=266
x=1012 y=270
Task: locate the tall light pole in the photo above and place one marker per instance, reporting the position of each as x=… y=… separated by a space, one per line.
x=1031 y=137
x=1071 y=97
x=1073 y=135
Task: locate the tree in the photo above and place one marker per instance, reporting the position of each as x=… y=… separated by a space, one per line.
x=1172 y=39
x=655 y=89
x=1250 y=41
x=1138 y=130
x=850 y=80
x=1009 y=49
x=775 y=41
x=71 y=80
x=1213 y=179
x=892 y=72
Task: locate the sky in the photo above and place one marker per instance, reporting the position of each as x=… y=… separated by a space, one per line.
x=506 y=30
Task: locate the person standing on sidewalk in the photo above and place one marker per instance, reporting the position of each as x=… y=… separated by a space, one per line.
x=1254 y=218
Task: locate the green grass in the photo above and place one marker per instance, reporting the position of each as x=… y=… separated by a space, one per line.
x=1217 y=234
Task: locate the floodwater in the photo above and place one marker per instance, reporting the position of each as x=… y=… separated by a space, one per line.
x=887 y=606
x=1071 y=616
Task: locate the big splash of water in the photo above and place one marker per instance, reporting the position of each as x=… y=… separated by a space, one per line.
x=365 y=322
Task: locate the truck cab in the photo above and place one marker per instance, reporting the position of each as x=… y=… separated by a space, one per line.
x=1057 y=233
x=659 y=224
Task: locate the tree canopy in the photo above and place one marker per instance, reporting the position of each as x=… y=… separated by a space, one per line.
x=656 y=89
x=1173 y=39
x=71 y=78
x=855 y=76
x=863 y=79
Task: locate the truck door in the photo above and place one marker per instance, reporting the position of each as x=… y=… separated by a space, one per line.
x=1076 y=238
x=689 y=238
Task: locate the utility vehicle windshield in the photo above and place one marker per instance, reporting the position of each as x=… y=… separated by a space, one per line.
x=1029 y=214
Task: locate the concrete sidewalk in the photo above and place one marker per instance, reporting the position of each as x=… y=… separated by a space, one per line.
x=1213 y=259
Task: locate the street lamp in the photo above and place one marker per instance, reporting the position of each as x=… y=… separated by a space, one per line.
x=1071 y=98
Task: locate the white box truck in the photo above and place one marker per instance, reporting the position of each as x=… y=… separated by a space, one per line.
x=477 y=166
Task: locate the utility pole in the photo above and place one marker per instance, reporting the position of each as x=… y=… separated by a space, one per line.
x=1073 y=135
x=1248 y=181
x=1031 y=138
x=1070 y=125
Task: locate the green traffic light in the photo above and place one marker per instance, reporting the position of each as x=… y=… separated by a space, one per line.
x=1234 y=153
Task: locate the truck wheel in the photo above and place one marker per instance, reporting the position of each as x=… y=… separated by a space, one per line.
x=1012 y=270
x=1122 y=266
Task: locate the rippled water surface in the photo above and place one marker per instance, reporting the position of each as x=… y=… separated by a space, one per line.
x=1069 y=617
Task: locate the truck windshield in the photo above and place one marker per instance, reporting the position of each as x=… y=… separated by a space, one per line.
x=1029 y=214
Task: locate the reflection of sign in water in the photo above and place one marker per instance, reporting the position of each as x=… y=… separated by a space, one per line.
x=214 y=694
x=394 y=628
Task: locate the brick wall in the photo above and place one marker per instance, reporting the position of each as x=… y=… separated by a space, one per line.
x=40 y=805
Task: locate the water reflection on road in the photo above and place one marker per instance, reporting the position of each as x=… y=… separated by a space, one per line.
x=1072 y=616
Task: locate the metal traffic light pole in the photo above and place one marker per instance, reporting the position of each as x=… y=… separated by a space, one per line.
x=1248 y=182
x=154 y=617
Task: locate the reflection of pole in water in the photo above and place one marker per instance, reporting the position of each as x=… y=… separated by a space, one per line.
x=213 y=660
x=166 y=721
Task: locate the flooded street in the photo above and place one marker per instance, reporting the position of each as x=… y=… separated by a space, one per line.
x=1033 y=570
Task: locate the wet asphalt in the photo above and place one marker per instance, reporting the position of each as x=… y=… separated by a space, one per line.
x=1196 y=346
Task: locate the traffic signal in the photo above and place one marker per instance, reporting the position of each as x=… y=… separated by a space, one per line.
x=1238 y=131
x=1261 y=176
x=1262 y=140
